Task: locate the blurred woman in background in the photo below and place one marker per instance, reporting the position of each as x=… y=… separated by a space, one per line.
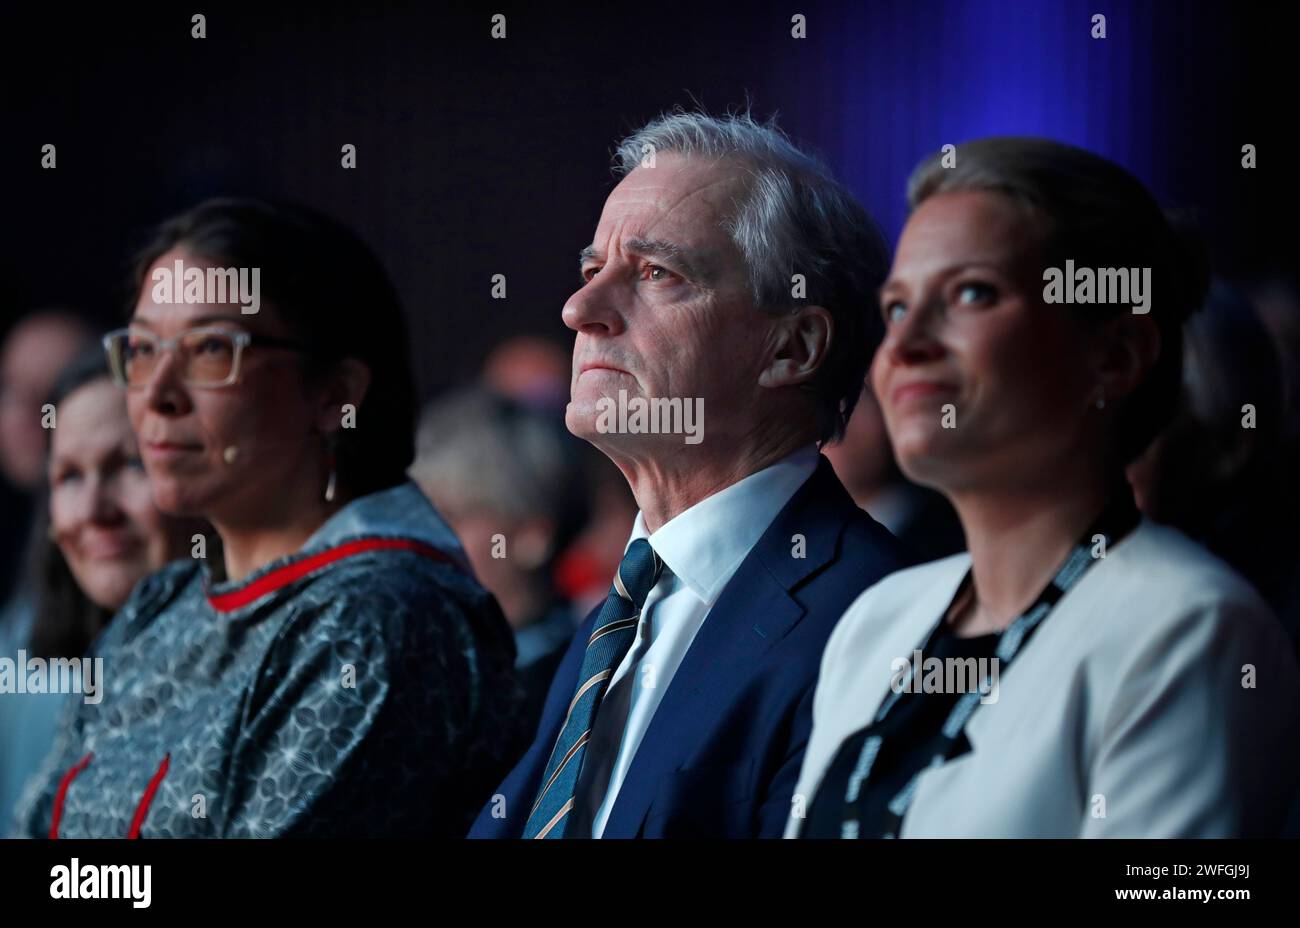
x=338 y=671
x=510 y=481
x=104 y=534
x=1082 y=671
x=32 y=353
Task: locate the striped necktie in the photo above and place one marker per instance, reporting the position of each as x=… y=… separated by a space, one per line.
x=611 y=636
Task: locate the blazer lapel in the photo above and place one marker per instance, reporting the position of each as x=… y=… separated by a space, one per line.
x=754 y=612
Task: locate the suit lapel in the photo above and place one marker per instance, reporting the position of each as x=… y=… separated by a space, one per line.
x=754 y=612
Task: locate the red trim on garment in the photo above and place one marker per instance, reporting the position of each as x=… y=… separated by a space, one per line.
x=283 y=576
x=62 y=794
x=143 y=808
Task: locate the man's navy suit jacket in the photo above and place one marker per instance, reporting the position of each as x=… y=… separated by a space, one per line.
x=721 y=755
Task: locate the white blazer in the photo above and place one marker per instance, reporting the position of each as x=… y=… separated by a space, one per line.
x=1130 y=712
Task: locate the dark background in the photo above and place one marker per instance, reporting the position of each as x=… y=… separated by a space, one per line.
x=479 y=156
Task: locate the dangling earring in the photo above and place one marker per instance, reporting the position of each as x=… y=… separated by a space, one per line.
x=331 y=485
x=1101 y=397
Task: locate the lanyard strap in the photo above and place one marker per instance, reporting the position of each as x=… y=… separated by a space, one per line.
x=1113 y=524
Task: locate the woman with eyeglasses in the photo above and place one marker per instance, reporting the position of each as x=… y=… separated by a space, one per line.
x=338 y=671
x=1082 y=671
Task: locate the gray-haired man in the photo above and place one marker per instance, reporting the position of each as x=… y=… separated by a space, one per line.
x=729 y=275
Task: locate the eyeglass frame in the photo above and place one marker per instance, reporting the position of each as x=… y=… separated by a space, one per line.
x=241 y=339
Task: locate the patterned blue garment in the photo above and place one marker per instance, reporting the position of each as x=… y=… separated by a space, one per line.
x=362 y=686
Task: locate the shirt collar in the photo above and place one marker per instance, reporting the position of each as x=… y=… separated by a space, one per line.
x=704 y=545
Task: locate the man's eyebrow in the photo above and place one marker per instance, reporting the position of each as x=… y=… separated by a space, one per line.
x=674 y=254
x=667 y=251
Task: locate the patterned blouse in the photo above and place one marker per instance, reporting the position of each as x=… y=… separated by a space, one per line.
x=362 y=686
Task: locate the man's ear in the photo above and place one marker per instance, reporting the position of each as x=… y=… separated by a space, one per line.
x=802 y=341
x=345 y=388
x=1132 y=344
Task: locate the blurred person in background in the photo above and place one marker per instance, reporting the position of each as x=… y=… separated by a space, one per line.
x=532 y=371
x=864 y=461
x=1276 y=300
x=101 y=535
x=535 y=372
x=583 y=570
x=510 y=482
x=1220 y=472
x=34 y=351
x=337 y=671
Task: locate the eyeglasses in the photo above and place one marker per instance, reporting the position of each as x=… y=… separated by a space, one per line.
x=208 y=356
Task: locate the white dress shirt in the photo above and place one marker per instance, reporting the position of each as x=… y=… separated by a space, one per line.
x=701 y=549
x=1158 y=699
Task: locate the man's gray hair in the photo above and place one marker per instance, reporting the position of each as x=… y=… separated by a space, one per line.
x=796 y=219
